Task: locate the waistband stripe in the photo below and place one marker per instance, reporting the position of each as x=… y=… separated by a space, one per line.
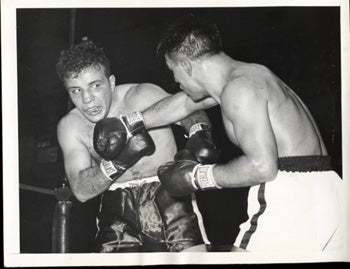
x=305 y=163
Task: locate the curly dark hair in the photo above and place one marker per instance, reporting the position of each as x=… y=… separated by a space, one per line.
x=79 y=57
x=192 y=37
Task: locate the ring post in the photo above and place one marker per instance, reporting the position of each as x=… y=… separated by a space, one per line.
x=61 y=221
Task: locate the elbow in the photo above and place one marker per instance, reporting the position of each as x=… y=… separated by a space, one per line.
x=80 y=196
x=78 y=190
x=81 y=199
x=266 y=171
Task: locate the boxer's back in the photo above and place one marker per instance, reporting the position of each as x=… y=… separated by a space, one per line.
x=295 y=130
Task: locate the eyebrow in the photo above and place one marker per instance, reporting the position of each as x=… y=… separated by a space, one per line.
x=92 y=82
x=96 y=80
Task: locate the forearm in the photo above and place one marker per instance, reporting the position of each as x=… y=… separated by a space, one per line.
x=243 y=172
x=186 y=175
x=172 y=109
x=89 y=183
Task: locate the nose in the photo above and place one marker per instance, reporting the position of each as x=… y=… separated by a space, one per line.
x=88 y=97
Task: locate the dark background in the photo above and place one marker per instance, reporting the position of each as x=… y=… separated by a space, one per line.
x=299 y=44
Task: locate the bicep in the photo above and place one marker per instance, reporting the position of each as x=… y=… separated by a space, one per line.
x=75 y=154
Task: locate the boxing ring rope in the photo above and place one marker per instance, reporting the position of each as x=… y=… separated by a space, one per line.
x=61 y=217
x=36 y=189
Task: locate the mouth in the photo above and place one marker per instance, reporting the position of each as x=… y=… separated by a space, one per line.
x=93 y=111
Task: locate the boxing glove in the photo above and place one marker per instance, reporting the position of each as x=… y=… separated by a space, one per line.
x=138 y=146
x=185 y=154
x=111 y=134
x=186 y=175
x=202 y=145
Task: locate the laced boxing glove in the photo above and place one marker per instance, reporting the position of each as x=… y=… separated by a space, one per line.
x=186 y=175
x=111 y=134
x=202 y=145
x=138 y=146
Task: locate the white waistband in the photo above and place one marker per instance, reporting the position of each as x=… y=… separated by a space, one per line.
x=132 y=183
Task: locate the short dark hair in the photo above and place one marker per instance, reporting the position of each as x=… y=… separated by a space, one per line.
x=79 y=57
x=192 y=37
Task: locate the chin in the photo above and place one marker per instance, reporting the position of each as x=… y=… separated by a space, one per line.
x=95 y=118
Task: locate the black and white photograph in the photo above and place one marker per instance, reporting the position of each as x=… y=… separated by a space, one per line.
x=175 y=133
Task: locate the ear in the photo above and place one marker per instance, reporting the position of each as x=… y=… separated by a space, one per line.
x=187 y=66
x=112 y=81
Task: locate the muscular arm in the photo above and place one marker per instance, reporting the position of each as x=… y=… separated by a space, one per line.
x=175 y=108
x=167 y=109
x=86 y=180
x=246 y=110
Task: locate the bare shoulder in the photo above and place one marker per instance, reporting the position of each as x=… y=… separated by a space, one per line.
x=71 y=118
x=69 y=125
x=248 y=79
x=144 y=94
x=248 y=84
x=252 y=69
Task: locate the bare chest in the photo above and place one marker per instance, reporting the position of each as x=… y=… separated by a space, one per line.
x=87 y=137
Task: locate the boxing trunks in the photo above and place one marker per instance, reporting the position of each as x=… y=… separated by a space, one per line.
x=140 y=216
x=300 y=210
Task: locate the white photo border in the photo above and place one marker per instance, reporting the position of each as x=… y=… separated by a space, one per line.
x=12 y=255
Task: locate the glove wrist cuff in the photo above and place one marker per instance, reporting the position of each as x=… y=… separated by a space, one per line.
x=134 y=123
x=204 y=178
x=197 y=127
x=110 y=170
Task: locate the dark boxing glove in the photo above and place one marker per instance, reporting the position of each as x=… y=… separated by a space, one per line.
x=202 y=145
x=186 y=175
x=111 y=134
x=185 y=154
x=138 y=146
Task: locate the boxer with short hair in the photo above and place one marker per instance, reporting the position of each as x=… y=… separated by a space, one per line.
x=136 y=212
x=294 y=201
